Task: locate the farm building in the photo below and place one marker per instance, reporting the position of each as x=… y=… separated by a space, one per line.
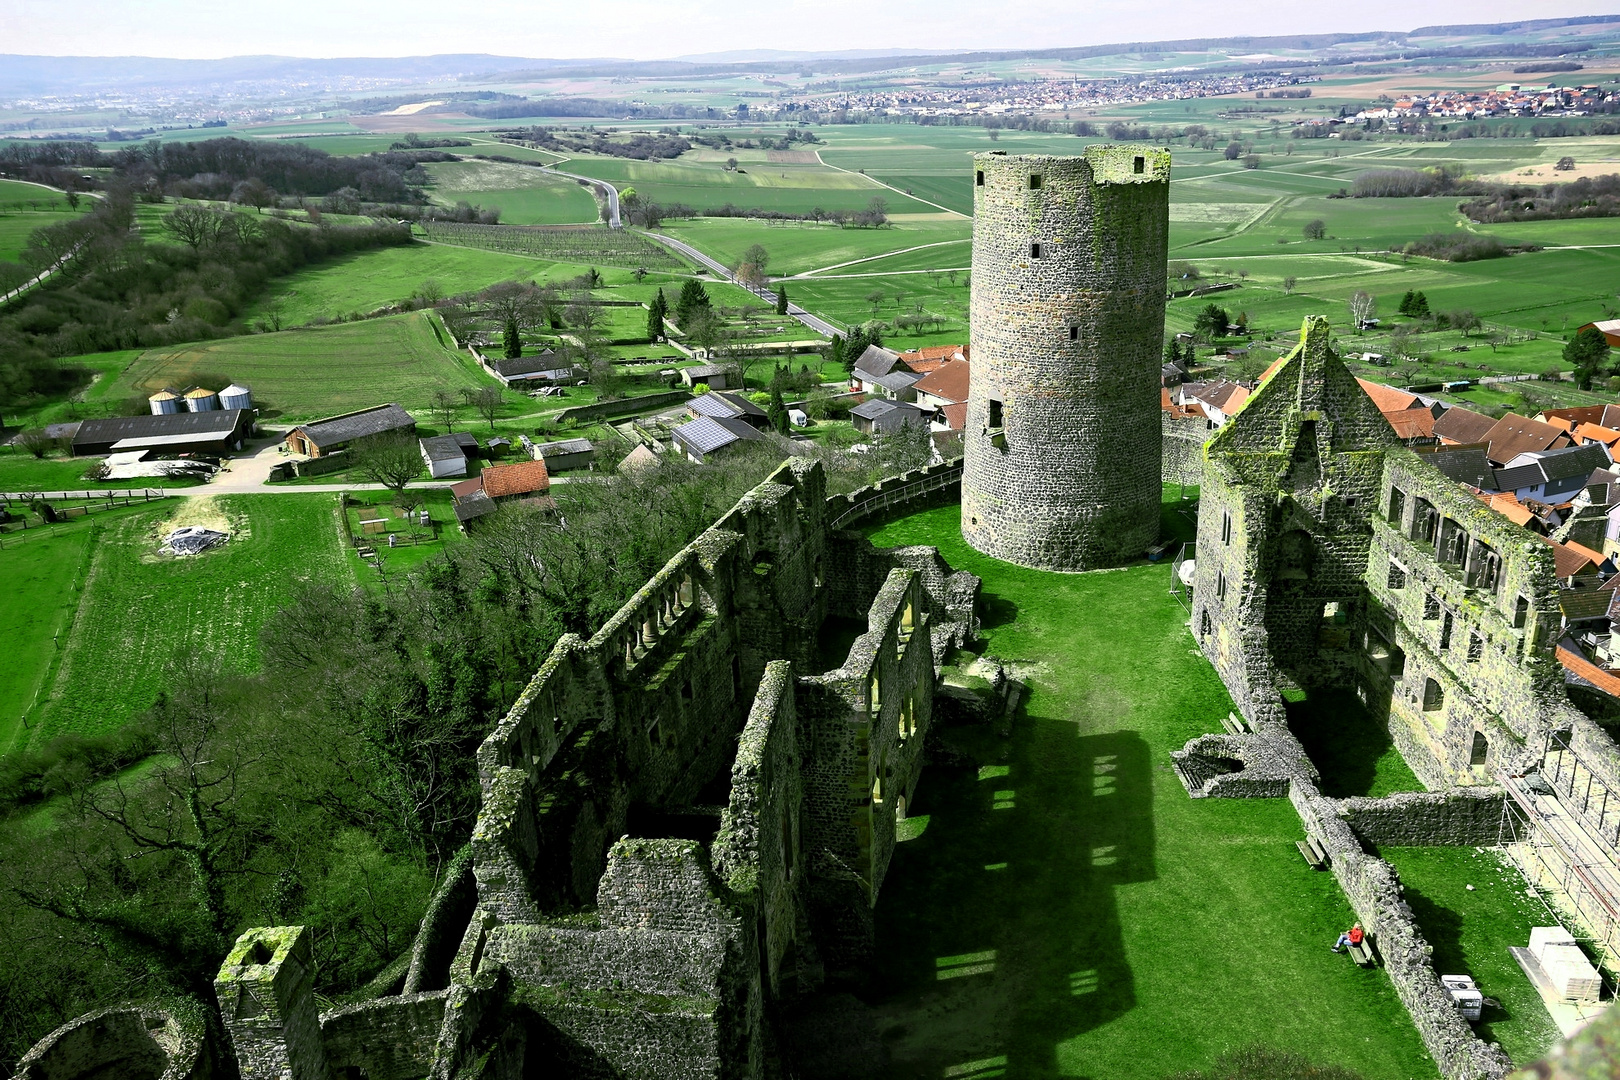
x=447 y=455
x=336 y=432
x=218 y=431
x=543 y=367
x=469 y=501
x=1609 y=328
x=881 y=416
x=706 y=436
x=566 y=454
x=520 y=480
x=723 y=406
x=711 y=375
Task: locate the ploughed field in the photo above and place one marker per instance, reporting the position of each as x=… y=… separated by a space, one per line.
x=1064 y=909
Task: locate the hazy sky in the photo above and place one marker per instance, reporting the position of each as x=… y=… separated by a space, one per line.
x=646 y=29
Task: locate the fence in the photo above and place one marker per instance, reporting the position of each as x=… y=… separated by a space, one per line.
x=91 y=502
x=894 y=491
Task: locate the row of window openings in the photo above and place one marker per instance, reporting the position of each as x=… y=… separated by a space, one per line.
x=1434 y=699
x=1480 y=563
x=1396 y=580
x=1138 y=166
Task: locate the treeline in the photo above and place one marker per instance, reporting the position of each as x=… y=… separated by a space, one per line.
x=118 y=292
x=639 y=147
x=213 y=168
x=1590 y=196
x=649 y=215
x=1463 y=247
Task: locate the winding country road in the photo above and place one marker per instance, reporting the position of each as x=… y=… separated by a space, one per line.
x=814 y=322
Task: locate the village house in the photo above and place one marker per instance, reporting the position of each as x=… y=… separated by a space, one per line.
x=1462 y=427
x=882 y=417
x=702 y=438
x=882 y=373
x=341 y=432
x=1552 y=476
x=1218 y=400
x=945 y=390
x=544 y=367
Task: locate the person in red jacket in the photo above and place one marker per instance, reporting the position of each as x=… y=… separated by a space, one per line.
x=1350 y=937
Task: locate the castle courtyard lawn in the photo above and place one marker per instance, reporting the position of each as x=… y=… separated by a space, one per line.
x=1064 y=909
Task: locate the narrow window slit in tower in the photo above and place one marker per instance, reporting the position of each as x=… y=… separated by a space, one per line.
x=1139 y=165
x=1034 y=181
x=978 y=178
x=995 y=414
x=1034 y=251
x=1074 y=333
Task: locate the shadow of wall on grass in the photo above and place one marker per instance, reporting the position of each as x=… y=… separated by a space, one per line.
x=1342 y=738
x=998 y=932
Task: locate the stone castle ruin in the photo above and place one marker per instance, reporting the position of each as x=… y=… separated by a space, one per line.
x=687 y=819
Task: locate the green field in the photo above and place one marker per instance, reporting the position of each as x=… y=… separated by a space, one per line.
x=525 y=195
x=700 y=179
x=799 y=247
x=138 y=612
x=314 y=372
x=1064 y=909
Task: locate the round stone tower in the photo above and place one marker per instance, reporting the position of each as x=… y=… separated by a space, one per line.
x=1067 y=328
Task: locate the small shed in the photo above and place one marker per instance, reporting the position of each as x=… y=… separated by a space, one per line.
x=711 y=375
x=448 y=455
x=566 y=454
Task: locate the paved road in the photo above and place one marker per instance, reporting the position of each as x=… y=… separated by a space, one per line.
x=814 y=322
x=612 y=193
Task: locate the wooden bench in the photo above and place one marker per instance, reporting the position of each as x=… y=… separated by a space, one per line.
x=1315 y=857
x=1234 y=725
x=1363 y=954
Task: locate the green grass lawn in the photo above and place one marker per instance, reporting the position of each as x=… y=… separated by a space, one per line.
x=314 y=372
x=525 y=195
x=855 y=300
x=701 y=180
x=1471 y=930
x=1064 y=909
x=364 y=281
x=796 y=247
x=21 y=472
x=138 y=612
x=416 y=544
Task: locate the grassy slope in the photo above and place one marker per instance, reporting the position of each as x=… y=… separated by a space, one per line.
x=1471 y=929
x=1132 y=931
x=139 y=612
x=525 y=195
x=797 y=247
x=300 y=374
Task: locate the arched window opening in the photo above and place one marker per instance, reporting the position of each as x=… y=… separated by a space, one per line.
x=1480 y=750
x=1434 y=698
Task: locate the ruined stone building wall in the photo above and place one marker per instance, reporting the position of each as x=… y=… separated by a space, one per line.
x=1061 y=455
x=1283 y=529
x=1463 y=607
x=1181 y=443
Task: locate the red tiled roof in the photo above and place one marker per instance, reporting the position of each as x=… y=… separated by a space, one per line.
x=1514 y=435
x=519 y=478
x=1570 y=560
x=933 y=352
x=1388 y=399
x=948 y=381
x=1569 y=419
x=1580 y=665
x=1509 y=507
x=1597 y=557
x=467 y=487
x=956 y=416
x=1458 y=426
x=1410 y=423
x=1591 y=432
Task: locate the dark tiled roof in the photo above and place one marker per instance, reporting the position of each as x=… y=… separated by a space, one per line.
x=1563 y=463
x=1579 y=604
x=723 y=406
x=214 y=422
x=1514 y=435
x=443 y=448
x=707 y=434
x=562 y=447
x=545 y=360
x=876 y=361
x=898 y=381
x=1465 y=464
x=472 y=506
x=1459 y=425
x=356 y=425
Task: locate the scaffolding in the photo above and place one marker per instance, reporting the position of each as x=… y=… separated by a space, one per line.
x=1561 y=826
x=1182 y=590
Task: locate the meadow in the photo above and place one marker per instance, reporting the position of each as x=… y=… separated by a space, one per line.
x=138 y=613
x=798 y=247
x=317 y=371
x=1064 y=909
x=524 y=194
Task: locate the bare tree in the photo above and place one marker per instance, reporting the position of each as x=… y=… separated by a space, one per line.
x=36 y=442
x=254 y=192
x=390 y=460
x=444 y=403
x=1363 y=306
x=195 y=226
x=488 y=401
